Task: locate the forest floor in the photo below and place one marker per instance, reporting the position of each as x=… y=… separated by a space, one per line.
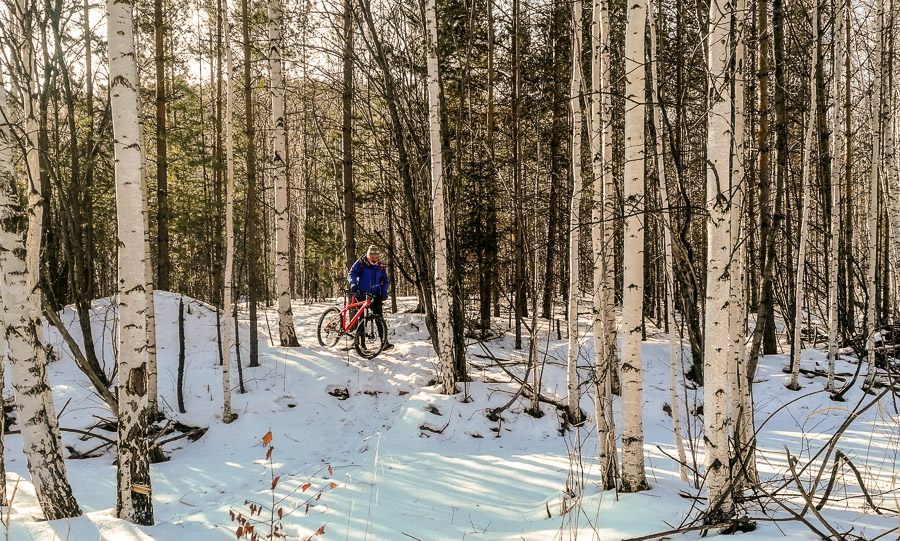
x=409 y=463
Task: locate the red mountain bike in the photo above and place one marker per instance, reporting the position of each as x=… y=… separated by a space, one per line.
x=370 y=329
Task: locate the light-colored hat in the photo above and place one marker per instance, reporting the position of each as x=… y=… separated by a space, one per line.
x=373 y=251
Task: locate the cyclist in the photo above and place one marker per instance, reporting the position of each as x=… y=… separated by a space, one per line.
x=369 y=276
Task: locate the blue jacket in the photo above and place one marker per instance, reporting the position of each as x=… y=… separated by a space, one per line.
x=369 y=278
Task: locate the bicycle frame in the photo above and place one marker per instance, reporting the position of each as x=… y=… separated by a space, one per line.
x=365 y=304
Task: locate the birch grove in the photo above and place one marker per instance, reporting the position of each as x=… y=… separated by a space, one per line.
x=498 y=171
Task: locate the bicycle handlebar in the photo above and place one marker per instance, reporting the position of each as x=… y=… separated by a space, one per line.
x=360 y=293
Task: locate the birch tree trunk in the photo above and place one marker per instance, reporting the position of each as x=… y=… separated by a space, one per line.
x=441 y=271
x=890 y=164
x=20 y=246
x=152 y=364
x=282 y=245
x=611 y=210
x=794 y=384
x=253 y=242
x=872 y=221
x=716 y=332
x=603 y=364
x=837 y=144
x=675 y=338
x=134 y=502
x=228 y=282
x=741 y=381
x=7 y=182
x=575 y=415
x=634 y=478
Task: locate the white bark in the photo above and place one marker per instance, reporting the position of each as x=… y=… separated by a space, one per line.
x=837 y=151
x=7 y=181
x=134 y=494
x=603 y=363
x=611 y=211
x=634 y=478
x=892 y=179
x=741 y=403
x=574 y=219
x=152 y=366
x=716 y=330
x=228 y=296
x=804 y=216
x=20 y=244
x=282 y=240
x=872 y=221
x=675 y=338
x=441 y=273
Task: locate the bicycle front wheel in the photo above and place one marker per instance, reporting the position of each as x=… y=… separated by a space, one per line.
x=330 y=327
x=371 y=335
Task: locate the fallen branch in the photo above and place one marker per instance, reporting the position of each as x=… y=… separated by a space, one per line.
x=806 y=497
x=685 y=529
x=80 y=359
x=526 y=387
x=196 y=432
x=74 y=431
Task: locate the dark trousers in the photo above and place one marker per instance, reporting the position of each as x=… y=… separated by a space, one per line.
x=375 y=306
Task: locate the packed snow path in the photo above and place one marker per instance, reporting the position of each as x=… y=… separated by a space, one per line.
x=408 y=462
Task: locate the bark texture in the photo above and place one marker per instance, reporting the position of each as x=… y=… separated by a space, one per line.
x=286 y=330
x=634 y=478
x=574 y=218
x=439 y=219
x=716 y=330
x=134 y=502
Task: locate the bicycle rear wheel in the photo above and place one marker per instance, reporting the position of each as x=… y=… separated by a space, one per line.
x=371 y=335
x=330 y=327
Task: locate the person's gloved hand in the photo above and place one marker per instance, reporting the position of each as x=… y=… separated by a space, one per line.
x=354 y=288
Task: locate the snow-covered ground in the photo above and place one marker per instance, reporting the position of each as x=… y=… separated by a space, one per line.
x=409 y=463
